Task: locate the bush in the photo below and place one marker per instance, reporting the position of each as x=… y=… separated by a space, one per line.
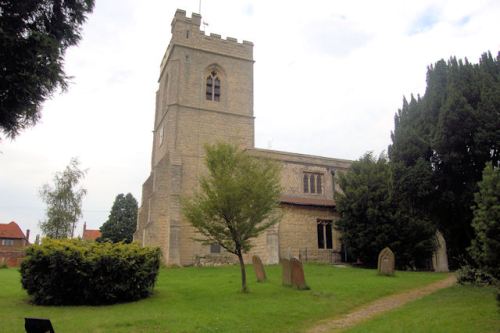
x=61 y=272
x=467 y=274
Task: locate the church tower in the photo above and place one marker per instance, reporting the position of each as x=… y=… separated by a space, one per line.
x=205 y=95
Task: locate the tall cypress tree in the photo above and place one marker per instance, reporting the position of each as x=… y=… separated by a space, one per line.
x=122 y=220
x=442 y=141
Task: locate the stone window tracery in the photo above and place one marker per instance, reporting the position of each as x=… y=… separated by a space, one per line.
x=312 y=183
x=325 y=234
x=213 y=87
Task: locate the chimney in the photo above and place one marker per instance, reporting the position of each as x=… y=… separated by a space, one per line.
x=84 y=226
x=37 y=240
x=28 y=235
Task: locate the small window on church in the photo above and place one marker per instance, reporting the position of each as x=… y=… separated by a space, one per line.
x=213 y=87
x=214 y=248
x=161 y=135
x=313 y=183
x=318 y=184
x=325 y=234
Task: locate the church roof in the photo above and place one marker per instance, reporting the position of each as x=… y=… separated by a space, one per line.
x=300 y=158
x=305 y=201
x=11 y=230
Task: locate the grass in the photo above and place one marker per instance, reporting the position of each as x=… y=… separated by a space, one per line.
x=459 y=309
x=208 y=300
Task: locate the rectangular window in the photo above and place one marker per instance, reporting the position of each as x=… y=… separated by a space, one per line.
x=321 y=237
x=7 y=242
x=325 y=234
x=312 y=183
x=214 y=248
x=328 y=234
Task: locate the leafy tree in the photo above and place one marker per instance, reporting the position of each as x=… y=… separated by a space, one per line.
x=122 y=220
x=441 y=143
x=64 y=202
x=485 y=247
x=371 y=219
x=238 y=200
x=34 y=35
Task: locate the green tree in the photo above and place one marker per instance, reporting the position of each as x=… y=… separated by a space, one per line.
x=122 y=220
x=441 y=143
x=34 y=35
x=485 y=247
x=237 y=201
x=64 y=202
x=371 y=219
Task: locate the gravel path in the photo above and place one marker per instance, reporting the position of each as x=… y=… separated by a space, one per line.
x=379 y=306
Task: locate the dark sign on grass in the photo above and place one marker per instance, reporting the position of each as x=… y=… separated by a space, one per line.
x=38 y=325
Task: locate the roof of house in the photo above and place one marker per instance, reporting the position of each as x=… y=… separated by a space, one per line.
x=11 y=230
x=304 y=201
x=90 y=234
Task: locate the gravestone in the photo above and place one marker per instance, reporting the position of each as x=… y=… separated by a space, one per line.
x=298 y=278
x=260 y=273
x=440 y=257
x=286 y=272
x=386 y=262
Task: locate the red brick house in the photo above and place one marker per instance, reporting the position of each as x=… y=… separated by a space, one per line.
x=12 y=243
x=90 y=234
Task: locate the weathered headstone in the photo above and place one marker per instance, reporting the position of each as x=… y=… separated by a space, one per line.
x=298 y=278
x=260 y=273
x=440 y=257
x=386 y=262
x=286 y=272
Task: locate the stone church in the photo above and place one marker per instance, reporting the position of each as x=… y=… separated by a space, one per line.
x=205 y=95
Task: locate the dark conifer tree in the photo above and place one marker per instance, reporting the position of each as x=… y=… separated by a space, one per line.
x=441 y=143
x=122 y=220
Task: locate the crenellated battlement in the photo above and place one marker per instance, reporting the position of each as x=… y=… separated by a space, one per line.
x=186 y=32
x=195 y=21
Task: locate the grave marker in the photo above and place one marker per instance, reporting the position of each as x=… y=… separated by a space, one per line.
x=260 y=273
x=298 y=278
x=386 y=262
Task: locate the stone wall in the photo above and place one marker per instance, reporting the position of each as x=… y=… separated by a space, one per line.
x=298 y=234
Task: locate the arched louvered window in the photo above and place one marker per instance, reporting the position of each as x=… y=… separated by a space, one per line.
x=312 y=183
x=306 y=183
x=213 y=87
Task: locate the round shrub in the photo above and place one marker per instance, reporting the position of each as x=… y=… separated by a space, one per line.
x=63 y=272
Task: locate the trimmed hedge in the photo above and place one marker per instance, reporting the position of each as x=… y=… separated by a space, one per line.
x=63 y=272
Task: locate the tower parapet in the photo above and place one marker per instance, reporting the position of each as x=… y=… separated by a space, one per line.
x=186 y=32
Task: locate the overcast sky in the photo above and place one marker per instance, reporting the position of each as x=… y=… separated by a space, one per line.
x=329 y=77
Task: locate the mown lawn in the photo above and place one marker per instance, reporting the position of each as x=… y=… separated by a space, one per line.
x=459 y=309
x=208 y=300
